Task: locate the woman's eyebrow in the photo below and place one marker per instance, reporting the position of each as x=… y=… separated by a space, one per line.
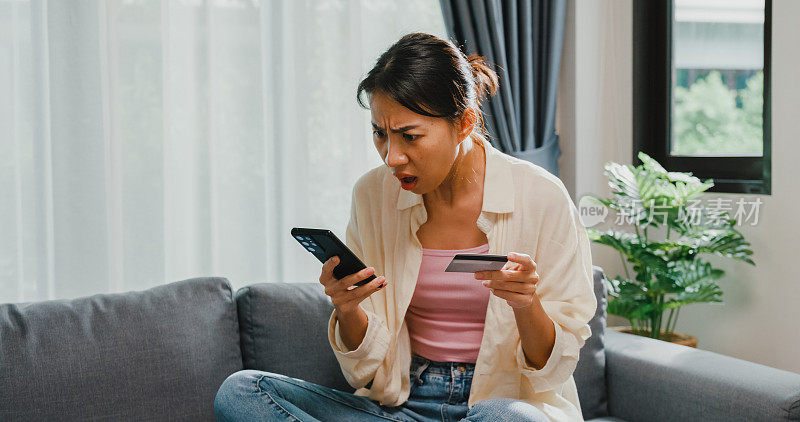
x=398 y=130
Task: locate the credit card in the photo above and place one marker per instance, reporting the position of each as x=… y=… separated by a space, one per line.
x=473 y=262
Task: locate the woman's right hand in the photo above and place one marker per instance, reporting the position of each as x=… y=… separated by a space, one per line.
x=344 y=295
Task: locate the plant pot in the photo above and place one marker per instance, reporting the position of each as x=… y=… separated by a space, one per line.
x=673 y=337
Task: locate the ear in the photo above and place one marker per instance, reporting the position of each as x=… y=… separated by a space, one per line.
x=468 y=120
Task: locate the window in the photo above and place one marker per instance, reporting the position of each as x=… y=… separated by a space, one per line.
x=701 y=89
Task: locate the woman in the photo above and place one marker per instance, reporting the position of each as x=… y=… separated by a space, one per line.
x=419 y=343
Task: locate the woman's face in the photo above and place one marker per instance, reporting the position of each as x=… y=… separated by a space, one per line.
x=416 y=145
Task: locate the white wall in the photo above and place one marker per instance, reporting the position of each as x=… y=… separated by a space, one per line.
x=759 y=320
x=594 y=109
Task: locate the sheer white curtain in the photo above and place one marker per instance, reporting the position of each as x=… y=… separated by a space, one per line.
x=145 y=142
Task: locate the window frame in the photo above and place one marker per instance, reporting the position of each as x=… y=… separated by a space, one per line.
x=652 y=106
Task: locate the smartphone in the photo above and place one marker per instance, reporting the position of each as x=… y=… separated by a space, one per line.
x=474 y=262
x=323 y=244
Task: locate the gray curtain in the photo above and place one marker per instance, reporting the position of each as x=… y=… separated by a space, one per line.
x=523 y=40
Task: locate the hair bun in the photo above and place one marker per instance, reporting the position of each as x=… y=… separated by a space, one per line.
x=486 y=80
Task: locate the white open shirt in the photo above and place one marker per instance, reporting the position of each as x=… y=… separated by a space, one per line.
x=526 y=209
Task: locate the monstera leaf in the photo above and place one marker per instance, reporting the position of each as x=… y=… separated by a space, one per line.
x=630 y=299
x=696 y=283
x=727 y=243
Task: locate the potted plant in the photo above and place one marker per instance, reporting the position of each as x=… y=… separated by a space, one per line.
x=668 y=270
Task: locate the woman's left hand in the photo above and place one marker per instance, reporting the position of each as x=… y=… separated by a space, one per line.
x=515 y=282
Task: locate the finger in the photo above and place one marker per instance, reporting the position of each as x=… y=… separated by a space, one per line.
x=327 y=268
x=503 y=294
x=507 y=275
x=523 y=260
x=332 y=262
x=369 y=288
x=376 y=280
x=502 y=275
x=489 y=275
x=513 y=266
x=358 y=276
x=511 y=286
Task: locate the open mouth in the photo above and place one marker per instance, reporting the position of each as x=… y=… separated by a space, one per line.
x=408 y=183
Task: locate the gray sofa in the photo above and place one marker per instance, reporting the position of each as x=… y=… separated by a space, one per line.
x=161 y=354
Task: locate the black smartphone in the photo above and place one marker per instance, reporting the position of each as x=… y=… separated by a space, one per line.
x=323 y=244
x=474 y=262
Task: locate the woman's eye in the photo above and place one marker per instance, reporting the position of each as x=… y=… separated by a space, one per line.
x=406 y=136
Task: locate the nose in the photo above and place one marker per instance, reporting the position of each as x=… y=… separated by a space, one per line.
x=395 y=155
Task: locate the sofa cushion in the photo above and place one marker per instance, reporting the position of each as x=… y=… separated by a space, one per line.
x=157 y=354
x=590 y=374
x=283 y=328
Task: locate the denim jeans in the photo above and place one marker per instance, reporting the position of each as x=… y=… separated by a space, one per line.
x=439 y=392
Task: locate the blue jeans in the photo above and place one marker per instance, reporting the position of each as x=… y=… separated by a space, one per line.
x=439 y=392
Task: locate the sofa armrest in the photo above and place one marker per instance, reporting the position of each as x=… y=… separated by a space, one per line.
x=653 y=380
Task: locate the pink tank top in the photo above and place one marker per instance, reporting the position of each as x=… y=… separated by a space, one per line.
x=447 y=311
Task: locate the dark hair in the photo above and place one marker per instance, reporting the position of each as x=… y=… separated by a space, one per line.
x=432 y=77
